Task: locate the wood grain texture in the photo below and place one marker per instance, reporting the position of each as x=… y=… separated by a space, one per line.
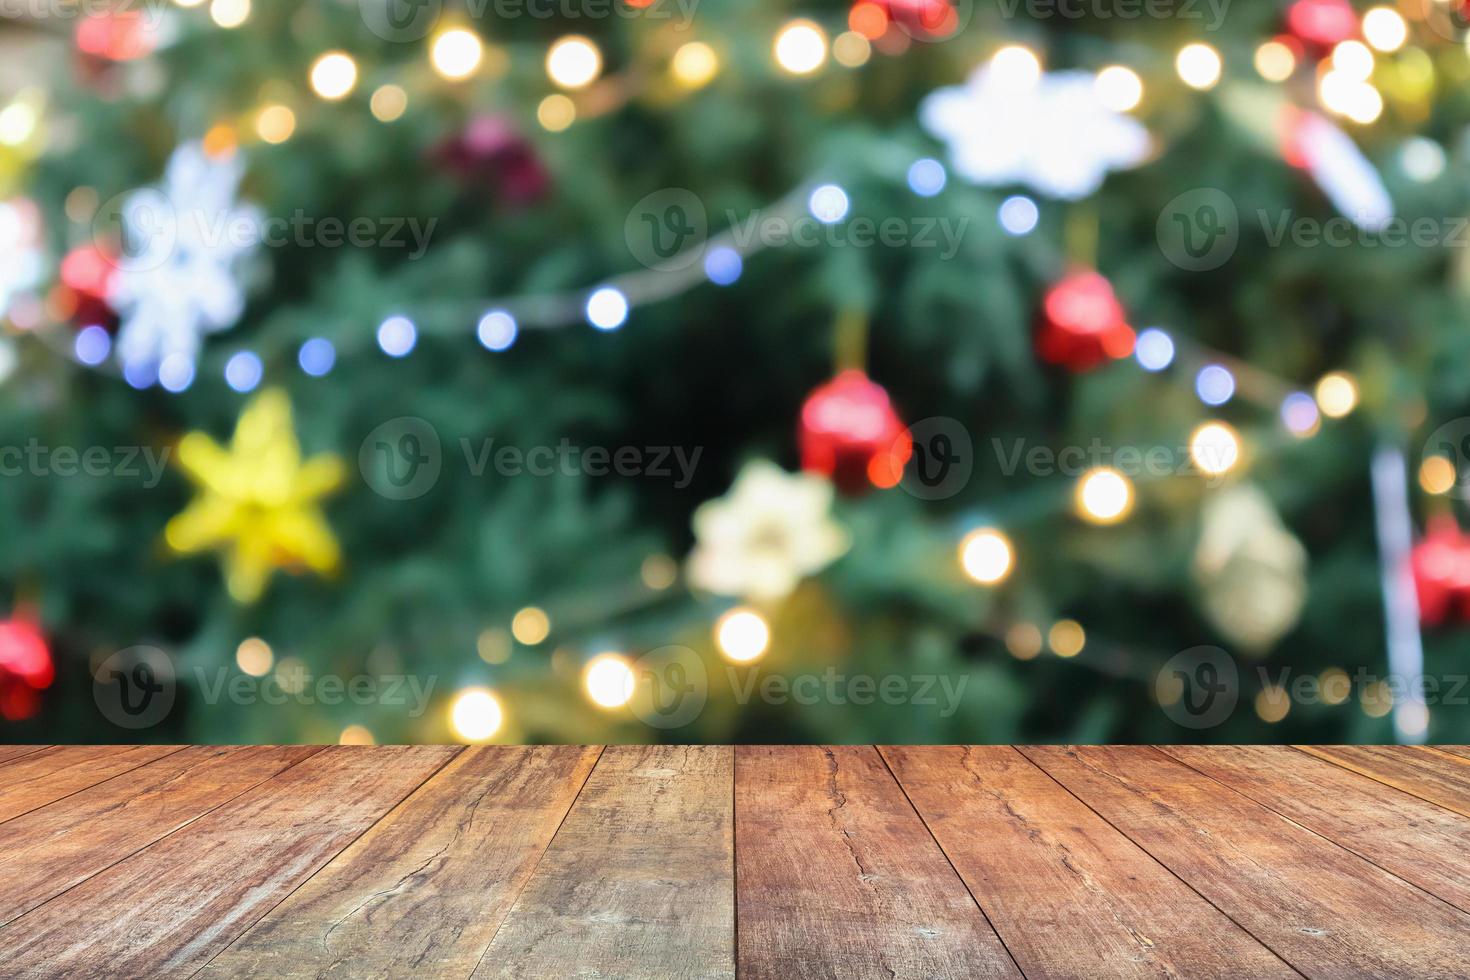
x=8 y=752
x=1419 y=841
x=1431 y=776
x=838 y=877
x=38 y=778
x=425 y=888
x=638 y=880
x=48 y=850
x=1324 y=910
x=1070 y=895
x=168 y=909
x=1463 y=751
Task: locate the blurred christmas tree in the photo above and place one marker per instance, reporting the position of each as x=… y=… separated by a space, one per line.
x=730 y=371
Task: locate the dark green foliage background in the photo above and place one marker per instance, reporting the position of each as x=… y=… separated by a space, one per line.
x=726 y=370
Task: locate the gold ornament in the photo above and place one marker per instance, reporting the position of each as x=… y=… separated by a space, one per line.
x=1250 y=568
x=258 y=500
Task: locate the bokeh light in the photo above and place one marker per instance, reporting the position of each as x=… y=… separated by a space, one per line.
x=986 y=556
x=742 y=635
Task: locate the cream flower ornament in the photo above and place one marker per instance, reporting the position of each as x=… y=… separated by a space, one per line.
x=184 y=240
x=768 y=532
x=1049 y=131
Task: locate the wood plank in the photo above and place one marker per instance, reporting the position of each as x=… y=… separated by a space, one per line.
x=1324 y=910
x=838 y=877
x=428 y=885
x=172 y=906
x=8 y=752
x=38 y=778
x=1069 y=894
x=1463 y=751
x=1428 y=775
x=50 y=849
x=1416 y=840
x=638 y=880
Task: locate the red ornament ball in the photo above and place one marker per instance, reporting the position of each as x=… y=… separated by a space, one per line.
x=1082 y=323
x=490 y=154
x=850 y=433
x=923 y=19
x=87 y=274
x=25 y=668
x=1440 y=563
x=1322 y=23
x=116 y=35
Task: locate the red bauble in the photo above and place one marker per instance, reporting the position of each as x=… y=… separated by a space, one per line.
x=924 y=19
x=490 y=153
x=25 y=668
x=1322 y=23
x=1440 y=563
x=850 y=433
x=1082 y=323
x=88 y=271
x=116 y=35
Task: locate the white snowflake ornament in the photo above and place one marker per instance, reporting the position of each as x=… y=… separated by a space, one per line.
x=185 y=242
x=21 y=258
x=1018 y=125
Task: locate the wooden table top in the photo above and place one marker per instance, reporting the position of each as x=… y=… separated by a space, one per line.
x=761 y=861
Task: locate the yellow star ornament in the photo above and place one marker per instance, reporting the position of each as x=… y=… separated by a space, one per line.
x=258 y=500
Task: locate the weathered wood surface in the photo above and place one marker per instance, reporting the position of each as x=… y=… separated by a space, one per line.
x=1418 y=841
x=1324 y=910
x=35 y=779
x=789 y=862
x=427 y=887
x=837 y=875
x=1070 y=895
x=1426 y=773
x=639 y=879
x=171 y=907
x=49 y=849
